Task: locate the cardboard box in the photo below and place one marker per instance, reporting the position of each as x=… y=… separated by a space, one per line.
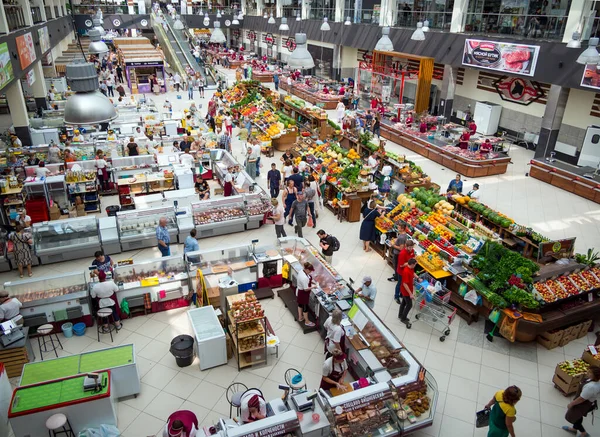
x=567 y=338
x=564 y=386
x=589 y=358
x=555 y=335
x=55 y=215
x=585 y=327
x=570 y=330
x=568 y=379
x=551 y=339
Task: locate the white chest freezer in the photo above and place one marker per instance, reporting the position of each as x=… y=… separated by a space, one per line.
x=210 y=337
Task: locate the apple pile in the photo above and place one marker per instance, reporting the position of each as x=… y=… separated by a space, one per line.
x=557 y=289
x=546 y=294
x=574 y=367
x=568 y=285
x=580 y=282
x=591 y=278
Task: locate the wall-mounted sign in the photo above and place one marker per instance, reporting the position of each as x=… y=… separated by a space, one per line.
x=144 y=22
x=227 y=23
x=30 y=76
x=275 y=430
x=44 y=39
x=116 y=22
x=290 y=44
x=518 y=90
x=500 y=56
x=6 y=68
x=591 y=77
x=269 y=39
x=88 y=23
x=206 y=21
x=26 y=50
x=252 y=36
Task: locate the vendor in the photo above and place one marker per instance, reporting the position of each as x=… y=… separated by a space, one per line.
x=77 y=137
x=334 y=371
x=475 y=194
x=335 y=336
x=472 y=128
x=455 y=185
x=41 y=171
x=304 y=283
x=33 y=160
x=342 y=90
x=373 y=162
x=103 y=263
x=228 y=182
x=181 y=423
x=409 y=119
x=104 y=292
x=325 y=90
x=486 y=147
x=111 y=135
x=252 y=406
x=70 y=156
x=16 y=142
x=463 y=142
x=423 y=127
x=9 y=307
x=367 y=291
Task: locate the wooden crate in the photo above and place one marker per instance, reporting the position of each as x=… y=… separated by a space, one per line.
x=14 y=360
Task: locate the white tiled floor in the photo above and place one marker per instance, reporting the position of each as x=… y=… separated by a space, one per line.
x=467 y=368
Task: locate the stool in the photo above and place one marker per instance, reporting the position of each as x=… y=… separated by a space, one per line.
x=43 y=332
x=234 y=396
x=104 y=316
x=294 y=380
x=59 y=424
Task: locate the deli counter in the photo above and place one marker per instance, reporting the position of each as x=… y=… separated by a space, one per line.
x=219 y=216
x=62 y=240
x=137 y=228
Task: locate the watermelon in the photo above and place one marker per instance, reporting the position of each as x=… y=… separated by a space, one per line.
x=427 y=209
x=505 y=223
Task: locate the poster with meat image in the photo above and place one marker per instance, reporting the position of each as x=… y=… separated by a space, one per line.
x=591 y=77
x=499 y=56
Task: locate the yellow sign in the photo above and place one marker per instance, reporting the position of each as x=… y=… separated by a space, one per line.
x=202 y=31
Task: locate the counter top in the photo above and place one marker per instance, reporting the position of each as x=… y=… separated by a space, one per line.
x=16 y=344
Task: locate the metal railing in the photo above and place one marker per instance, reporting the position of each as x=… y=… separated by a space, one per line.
x=319 y=13
x=526 y=26
x=106 y=9
x=291 y=11
x=437 y=20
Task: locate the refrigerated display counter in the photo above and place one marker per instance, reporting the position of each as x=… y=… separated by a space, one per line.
x=137 y=229
x=52 y=298
x=63 y=240
x=257 y=204
x=219 y=216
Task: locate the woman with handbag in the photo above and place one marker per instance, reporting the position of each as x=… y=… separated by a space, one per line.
x=503 y=412
x=584 y=403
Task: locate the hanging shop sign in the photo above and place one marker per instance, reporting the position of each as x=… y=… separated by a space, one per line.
x=290 y=44
x=518 y=90
x=44 y=39
x=26 y=50
x=556 y=248
x=591 y=77
x=30 y=76
x=6 y=68
x=500 y=56
x=363 y=402
x=269 y=39
x=252 y=36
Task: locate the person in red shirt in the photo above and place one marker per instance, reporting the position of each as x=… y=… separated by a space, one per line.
x=408 y=277
x=486 y=147
x=463 y=143
x=472 y=128
x=182 y=423
x=403 y=257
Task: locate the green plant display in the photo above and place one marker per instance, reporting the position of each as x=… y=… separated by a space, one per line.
x=589 y=259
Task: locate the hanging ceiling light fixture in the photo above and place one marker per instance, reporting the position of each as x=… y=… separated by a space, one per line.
x=271 y=19
x=235 y=20
x=218 y=13
x=241 y=16
x=590 y=56
x=348 y=21
x=575 y=43
x=217 y=37
x=426 y=26
x=265 y=16
x=178 y=25
x=385 y=43
x=301 y=57
x=97 y=46
x=298 y=17
x=98 y=26
x=87 y=106
x=325 y=27
x=418 y=34
x=284 y=26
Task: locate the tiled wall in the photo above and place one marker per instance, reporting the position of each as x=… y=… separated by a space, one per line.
x=571 y=135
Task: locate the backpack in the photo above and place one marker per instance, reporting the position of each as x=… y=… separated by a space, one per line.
x=335 y=243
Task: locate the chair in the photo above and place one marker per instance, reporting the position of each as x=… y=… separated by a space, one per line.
x=234 y=396
x=44 y=331
x=294 y=380
x=59 y=424
x=104 y=316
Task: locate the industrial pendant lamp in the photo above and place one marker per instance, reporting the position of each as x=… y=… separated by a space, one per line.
x=235 y=21
x=284 y=26
x=301 y=57
x=325 y=27
x=426 y=26
x=87 y=106
x=385 y=43
x=298 y=17
x=418 y=34
x=178 y=25
x=241 y=16
x=265 y=16
x=348 y=22
x=218 y=13
x=97 y=46
x=271 y=19
x=590 y=56
x=574 y=43
x=98 y=26
x=217 y=37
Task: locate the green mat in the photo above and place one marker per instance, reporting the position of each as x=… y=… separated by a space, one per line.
x=52 y=393
x=106 y=359
x=50 y=369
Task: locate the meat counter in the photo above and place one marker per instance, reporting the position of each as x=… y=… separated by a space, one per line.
x=219 y=216
x=257 y=204
x=62 y=240
x=137 y=229
x=52 y=298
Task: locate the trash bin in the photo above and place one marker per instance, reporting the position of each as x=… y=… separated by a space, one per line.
x=67 y=329
x=112 y=210
x=182 y=348
x=79 y=329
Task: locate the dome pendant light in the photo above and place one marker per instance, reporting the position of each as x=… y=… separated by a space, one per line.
x=385 y=43
x=218 y=13
x=301 y=57
x=217 y=37
x=265 y=16
x=325 y=27
x=98 y=26
x=574 y=43
x=97 y=46
x=298 y=17
x=590 y=56
x=178 y=25
x=87 y=106
x=348 y=21
x=418 y=34
x=271 y=19
x=235 y=21
x=284 y=26
x=426 y=26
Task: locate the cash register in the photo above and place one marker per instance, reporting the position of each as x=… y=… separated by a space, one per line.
x=11 y=333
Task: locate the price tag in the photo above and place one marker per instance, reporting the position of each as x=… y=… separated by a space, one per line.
x=593 y=350
x=125 y=262
x=590 y=297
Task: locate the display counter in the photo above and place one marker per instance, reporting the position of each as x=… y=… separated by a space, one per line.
x=146 y=183
x=52 y=298
x=567 y=177
x=263 y=76
x=315 y=118
x=32 y=405
x=311 y=95
x=219 y=216
x=137 y=229
x=63 y=240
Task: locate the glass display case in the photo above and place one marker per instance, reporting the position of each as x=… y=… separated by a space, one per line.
x=416 y=404
x=48 y=289
x=123 y=166
x=61 y=240
x=239 y=259
x=257 y=204
x=138 y=228
x=83 y=151
x=221 y=162
x=219 y=216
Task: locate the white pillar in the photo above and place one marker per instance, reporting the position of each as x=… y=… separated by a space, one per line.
x=278 y=8
x=387 y=13
x=339 y=11
x=460 y=8
x=16 y=103
x=26 y=12
x=3 y=21
x=580 y=10
x=305 y=10
x=50 y=4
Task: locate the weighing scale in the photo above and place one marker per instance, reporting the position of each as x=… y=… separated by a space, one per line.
x=10 y=333
x=302 y=402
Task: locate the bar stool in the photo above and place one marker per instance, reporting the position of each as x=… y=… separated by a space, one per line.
x=104 y=316
x=59 y=424
x=294 y=380
x=234 y=396
x=47 y=331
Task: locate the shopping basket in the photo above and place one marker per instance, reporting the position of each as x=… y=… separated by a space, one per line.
x=433 y=308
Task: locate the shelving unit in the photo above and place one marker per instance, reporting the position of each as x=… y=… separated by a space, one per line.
x=241 y=332
x=13 y=199
x=88 y=191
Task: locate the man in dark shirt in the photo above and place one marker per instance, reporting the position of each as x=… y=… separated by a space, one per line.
x=274 y=180
x=398 y=244
x=326 y=243
x=102 y=262
x=297 y=178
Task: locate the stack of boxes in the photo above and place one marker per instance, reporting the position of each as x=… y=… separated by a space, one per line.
x=568 y=375
x=561 y=337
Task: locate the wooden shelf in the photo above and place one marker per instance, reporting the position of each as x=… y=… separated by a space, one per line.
x=257 y=348
x=245 y=363
x=246 y=332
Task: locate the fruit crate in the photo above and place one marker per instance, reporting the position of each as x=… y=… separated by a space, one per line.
x=569 y=286
x=569 y=374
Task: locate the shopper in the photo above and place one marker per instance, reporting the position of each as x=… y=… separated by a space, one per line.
x=310 y=195
x=287 y=156
x=132 y=147
x=304 y=284
x=278 y=218
x=104 y=293
x=289 y=197
x=163 y=238
x=110 y=86
x=10 y=308
x=335 y=336
x=203 y=189
x=297 y=178
x=69 y=156
x=177 y=81
x=455 y=185
x=23 y=219
x=191 y=244
x=102 y=171
x=288 y=169
x=22 y=243
x=367 y=228
x=276 y=81
x=503 y=412
x=256 y=153
x=228 y=122
x=334 y=371
x=340 y=110
x=201 y=85
x=408 y=277
x=182 y=423
x=32 y=160
x=299 y=211
x=401 y=262
x=584 y=403
x=327 y=244
x=274 y=180
x=191 y=87
x=397 y=245
x=251 y=162
x=41 y=170
x=119 y=70
x=367 y=291
x=103 y=263
x=54 y=153
x=377 y=126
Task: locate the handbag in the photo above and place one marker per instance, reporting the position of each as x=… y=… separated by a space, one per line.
x=482 y=418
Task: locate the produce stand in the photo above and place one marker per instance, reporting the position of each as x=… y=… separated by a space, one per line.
x=311 y=95
x=247 y=326
x=313 y=118
x=263 y=76
x=567 y=177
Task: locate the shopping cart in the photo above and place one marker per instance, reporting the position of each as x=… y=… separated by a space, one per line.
x=432 y=307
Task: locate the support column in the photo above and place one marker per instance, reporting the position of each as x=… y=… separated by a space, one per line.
x=40 y=4
x=18 y=111
x=458 y=18
x=339 y=11
x=260 y=7
x=551 y=121
x=388 y=13
x=39 y=86
x=575 y=21
x=50 y=4
x=26 y=6
x=305 y=10
x=278 y=9
x=447 y=95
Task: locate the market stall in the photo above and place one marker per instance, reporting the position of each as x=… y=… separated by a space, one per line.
x=142 y=61
x=311 y=94
x=582 y=181
x=137 y=229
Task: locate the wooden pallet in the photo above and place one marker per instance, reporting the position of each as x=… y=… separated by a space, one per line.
x=14 y=360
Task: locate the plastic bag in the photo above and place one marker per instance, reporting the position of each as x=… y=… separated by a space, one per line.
x=508 y=328
x=438 y=287
x=125 y=306
x=462 y=289
x=482 y=418
x=472 y=297
x=494 y=315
